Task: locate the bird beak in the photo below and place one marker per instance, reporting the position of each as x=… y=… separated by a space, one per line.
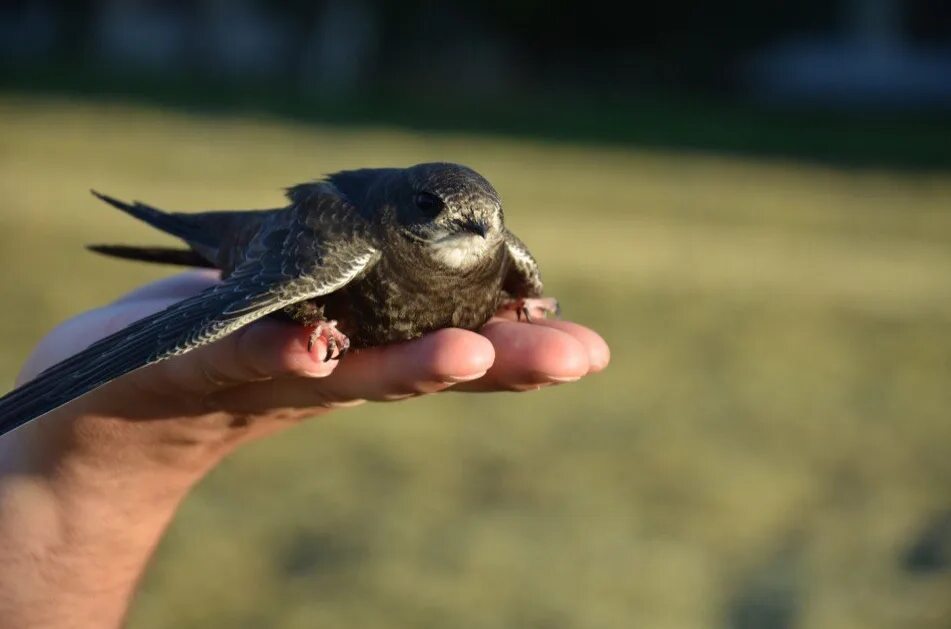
x=475 y=227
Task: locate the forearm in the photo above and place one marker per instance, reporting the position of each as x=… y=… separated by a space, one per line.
x=77 y=526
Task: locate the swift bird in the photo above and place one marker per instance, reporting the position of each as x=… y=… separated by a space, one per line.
x=364 y=257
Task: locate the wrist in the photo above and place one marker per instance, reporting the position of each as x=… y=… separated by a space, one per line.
x=82 y=506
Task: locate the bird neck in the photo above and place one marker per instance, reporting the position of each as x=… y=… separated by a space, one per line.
x=462 y=251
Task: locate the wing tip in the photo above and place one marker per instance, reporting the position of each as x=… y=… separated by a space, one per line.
x=105 y=198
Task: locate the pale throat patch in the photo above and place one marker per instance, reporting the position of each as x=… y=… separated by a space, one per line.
x=459 y=251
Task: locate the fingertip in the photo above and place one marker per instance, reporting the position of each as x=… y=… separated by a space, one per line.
x=567 y=359
x=456 y=355
x=599 y=354
x=529 y=353
x=275 y=349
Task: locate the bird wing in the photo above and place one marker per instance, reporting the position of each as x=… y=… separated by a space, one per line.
x=288 y=262
x=523 y=278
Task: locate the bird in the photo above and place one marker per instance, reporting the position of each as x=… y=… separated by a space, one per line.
x=360 y=258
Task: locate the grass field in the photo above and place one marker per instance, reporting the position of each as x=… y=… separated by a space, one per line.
x=769 y=448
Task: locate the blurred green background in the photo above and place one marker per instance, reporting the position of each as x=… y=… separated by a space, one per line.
x=769 y=447
x=750 y=201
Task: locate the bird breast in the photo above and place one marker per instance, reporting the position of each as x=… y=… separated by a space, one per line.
x=407 y=294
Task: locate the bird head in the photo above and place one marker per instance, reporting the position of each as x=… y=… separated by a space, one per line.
x=451 y=210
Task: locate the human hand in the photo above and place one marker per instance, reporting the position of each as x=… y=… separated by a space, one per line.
x=263 y=378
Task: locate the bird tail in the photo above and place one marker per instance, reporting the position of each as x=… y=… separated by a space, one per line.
x=184 y=226
x=204 y=232
x=160 y=255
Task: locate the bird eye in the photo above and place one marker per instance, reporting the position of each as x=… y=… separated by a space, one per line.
x=429 y=204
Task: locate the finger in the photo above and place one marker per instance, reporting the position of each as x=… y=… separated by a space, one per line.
x=426 y=365
x=437 y=359
x=261 y=351
x=529 y=356
x=599 y=354
x=176 y=287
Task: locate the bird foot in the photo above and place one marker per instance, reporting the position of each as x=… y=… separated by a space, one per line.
x=533 y=307
x=337 y=342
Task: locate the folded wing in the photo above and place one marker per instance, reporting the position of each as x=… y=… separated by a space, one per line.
x=287 y=264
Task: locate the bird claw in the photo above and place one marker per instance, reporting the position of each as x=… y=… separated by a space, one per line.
x=336 y=341
x=533 y=307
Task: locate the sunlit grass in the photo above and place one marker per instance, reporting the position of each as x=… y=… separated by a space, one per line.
x=771 y=437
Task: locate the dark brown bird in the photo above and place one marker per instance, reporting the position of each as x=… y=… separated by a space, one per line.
x=364 y=257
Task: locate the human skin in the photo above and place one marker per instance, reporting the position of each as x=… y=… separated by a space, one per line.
x=87 y=490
